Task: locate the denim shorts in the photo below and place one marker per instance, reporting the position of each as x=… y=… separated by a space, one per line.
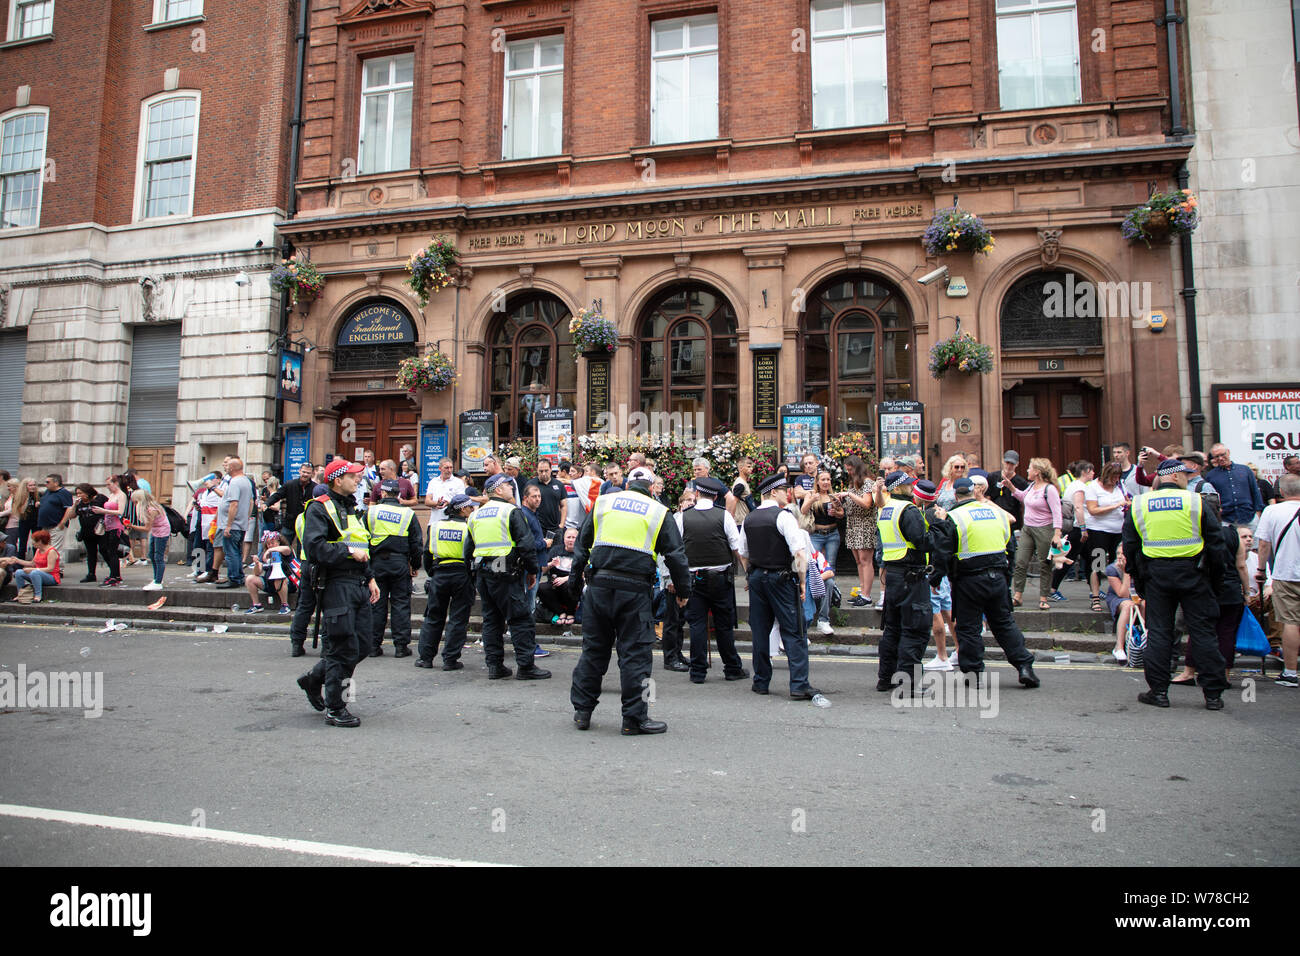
x=943 y=600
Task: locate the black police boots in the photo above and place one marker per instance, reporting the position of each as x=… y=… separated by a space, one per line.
x=1214 y=703
x=1027 y=675
x=296 y=650
x=632 y=726
x=421 y=663
x=532 y=673
x=376 y=651
x=582 y=719
x=676 y=664
x=342 y=718
x=452 y=666
x=402 y=651
x=1154 y=699
x=312 y=690
x=498 y=671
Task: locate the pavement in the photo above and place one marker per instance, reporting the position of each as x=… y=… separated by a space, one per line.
x=206 y=753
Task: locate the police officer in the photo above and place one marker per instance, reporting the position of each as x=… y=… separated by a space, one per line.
x=970 y=545
x=338 y=546
x=502 y=544
x=777 y=555
x=302 y=614
x=712 y=542
x=906 y=543
x=395 y=547
x=620 y=538
x=449 y=590
x=1172 y=547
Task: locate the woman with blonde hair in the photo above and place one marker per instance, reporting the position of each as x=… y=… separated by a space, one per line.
x=1041 y=531
x=152 y=519
x=953 y=468
x=13 y=509
x=24 y=503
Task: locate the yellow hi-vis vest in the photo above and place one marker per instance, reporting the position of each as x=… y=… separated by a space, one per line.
x=388 y=519
x=895 y=545
x=1063 y=482
x=1169 y=523
x=352 y=532
x=299 y=526
x=628 y=520
x=447 y=541
x=489 y=526
x=981 y=529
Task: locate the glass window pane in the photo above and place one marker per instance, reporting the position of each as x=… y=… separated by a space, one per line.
x=817 y=362
x=535 y=366
x=405 y=69
x=550 y=131
x=652 y=401
x=686 y=403
x=670 y=101
x=688 y=362
x=725 y=405
x=1024 y=406
x=652 y=364
x=896 y=354
x=377 y=72
x=669 y=35
x=687 y=330
x=724 y=362
x=520 y=55
x=830 y=85
x=1056 y=33
x=552 y=51
x=1072 y=405
x=19 y=193
x=856 y=404
x=1016 y=67
x=503 y=406
x=566 y=370
x=703 y=32
x=704 y=96
x=519 y=127
x=400 y=156
x=374 y=135
x=827 y=15
x=867 y=13
x=655 y=325
x=22 y=143
x=501 y=365
x=869 y=104
x=857 y=354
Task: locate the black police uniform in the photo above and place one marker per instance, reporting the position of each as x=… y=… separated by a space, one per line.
x=673 y=642
x=907 y=615
x=980 y=589
x=501 y=585
x=345 y=599
x=306 y=607
x=393 y=561
x=449 y=596
x=617 y=608
x=704 y=538
x=774 y=597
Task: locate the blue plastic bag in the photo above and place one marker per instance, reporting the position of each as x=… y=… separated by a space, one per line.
x=1251 y=640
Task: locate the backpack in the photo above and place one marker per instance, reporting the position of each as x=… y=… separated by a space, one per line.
x=174 y=519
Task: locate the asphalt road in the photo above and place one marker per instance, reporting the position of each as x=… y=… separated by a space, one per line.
x=211 y=729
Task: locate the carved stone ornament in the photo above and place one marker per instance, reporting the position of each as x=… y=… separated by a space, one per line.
x=152 y=295
x=1051 y=246
x=4 y=302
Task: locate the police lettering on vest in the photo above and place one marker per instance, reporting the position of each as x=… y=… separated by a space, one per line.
x=627 y=520
x=447 y=541
x=388 y=520
x=981 y=530
x=489 y=526
x=1169 y=523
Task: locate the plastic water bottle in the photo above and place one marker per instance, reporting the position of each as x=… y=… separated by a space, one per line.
x=234 y=607
x=820 y=701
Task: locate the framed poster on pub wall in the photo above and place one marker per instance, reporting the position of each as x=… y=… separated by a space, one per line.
x=553 y=432
x=803 y=431
x=765 y=386
x=598 y=378
x=297 y=450
x=433 y=449
x=478 y=438
x=900 y=428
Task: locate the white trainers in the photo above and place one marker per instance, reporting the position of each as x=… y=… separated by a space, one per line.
x=936 y=664
x=1119 y=655
x=880 y=605
x=824 y=628
x=152 y=586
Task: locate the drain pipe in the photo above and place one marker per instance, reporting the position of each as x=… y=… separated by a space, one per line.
x=1196 y=414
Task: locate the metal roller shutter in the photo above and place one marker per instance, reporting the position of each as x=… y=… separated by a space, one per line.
x=155 y=374
x=13 y=370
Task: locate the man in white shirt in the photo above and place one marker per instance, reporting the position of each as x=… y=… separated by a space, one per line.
x=712 y=542
x=442 y=488
x=368 y=479
x=1278 y=539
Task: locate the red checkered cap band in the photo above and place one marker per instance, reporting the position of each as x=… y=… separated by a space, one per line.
x=341 y=466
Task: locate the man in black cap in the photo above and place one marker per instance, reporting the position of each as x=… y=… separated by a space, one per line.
x=970 y=545
x=449 y=591
x=338 y=546
x=776 y=554
x=395 y=546
x=620 y=538
x=906 y=544
x=503 y=545
x=712 y=542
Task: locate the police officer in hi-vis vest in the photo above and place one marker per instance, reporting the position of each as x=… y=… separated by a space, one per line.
x=338 y=546
x=970 y=546
x=906 y=541
x=395 y=546
x=712 y=543
x=449 y=591
x=620 y=538
x=306 y=607
x=1173 y=548
x=502 y=545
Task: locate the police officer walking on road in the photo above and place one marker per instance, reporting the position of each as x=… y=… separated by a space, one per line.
x=970 y=546
x=1172 y=547
x=712 y=542
x=338 y=546
x=502 y=544
x=620 y=538
x=777 y=555
x=449 y=591
x=906 y=542
x=302 y=613
x=395 y=546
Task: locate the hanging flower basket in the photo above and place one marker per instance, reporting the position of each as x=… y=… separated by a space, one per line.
x=953 y=230
x=592 y=332
x=1161 y=216
x=961 y=353
x=433 y=372
x=430 y=268
x=299 y=279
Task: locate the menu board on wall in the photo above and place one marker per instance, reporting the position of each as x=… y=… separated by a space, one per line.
x=900 y=423
x=597 y=392
x=765 y=388
x=297 y=450
x=553 y=432
x=803 y=431
x=433 y=448
x=478 y=438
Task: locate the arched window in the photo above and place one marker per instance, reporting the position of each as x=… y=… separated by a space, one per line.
x=531 y=362
x=1061 y=309
x=377 y=334
x=857 y=349
x=686 y=348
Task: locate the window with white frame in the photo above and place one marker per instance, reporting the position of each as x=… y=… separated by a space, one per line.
x=165 y=11
x=848 y=63
x=533 y=120
x=1038 y=53
x=386 y=87
x=22 y=159
x=166 y=185
x=30 y=18
x=684 y=79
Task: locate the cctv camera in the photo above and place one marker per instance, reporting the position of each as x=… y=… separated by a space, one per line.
x=929 y=277
x=242 y=279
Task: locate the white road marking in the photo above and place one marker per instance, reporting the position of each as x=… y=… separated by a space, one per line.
x=359 y=853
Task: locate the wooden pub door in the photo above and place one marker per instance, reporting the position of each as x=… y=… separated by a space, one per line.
x=1057 y=419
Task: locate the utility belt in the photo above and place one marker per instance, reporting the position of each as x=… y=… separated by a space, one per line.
x=512 y=567
x=704 y=574
x=963 y=571
x=617 y=582
x=912 y=572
